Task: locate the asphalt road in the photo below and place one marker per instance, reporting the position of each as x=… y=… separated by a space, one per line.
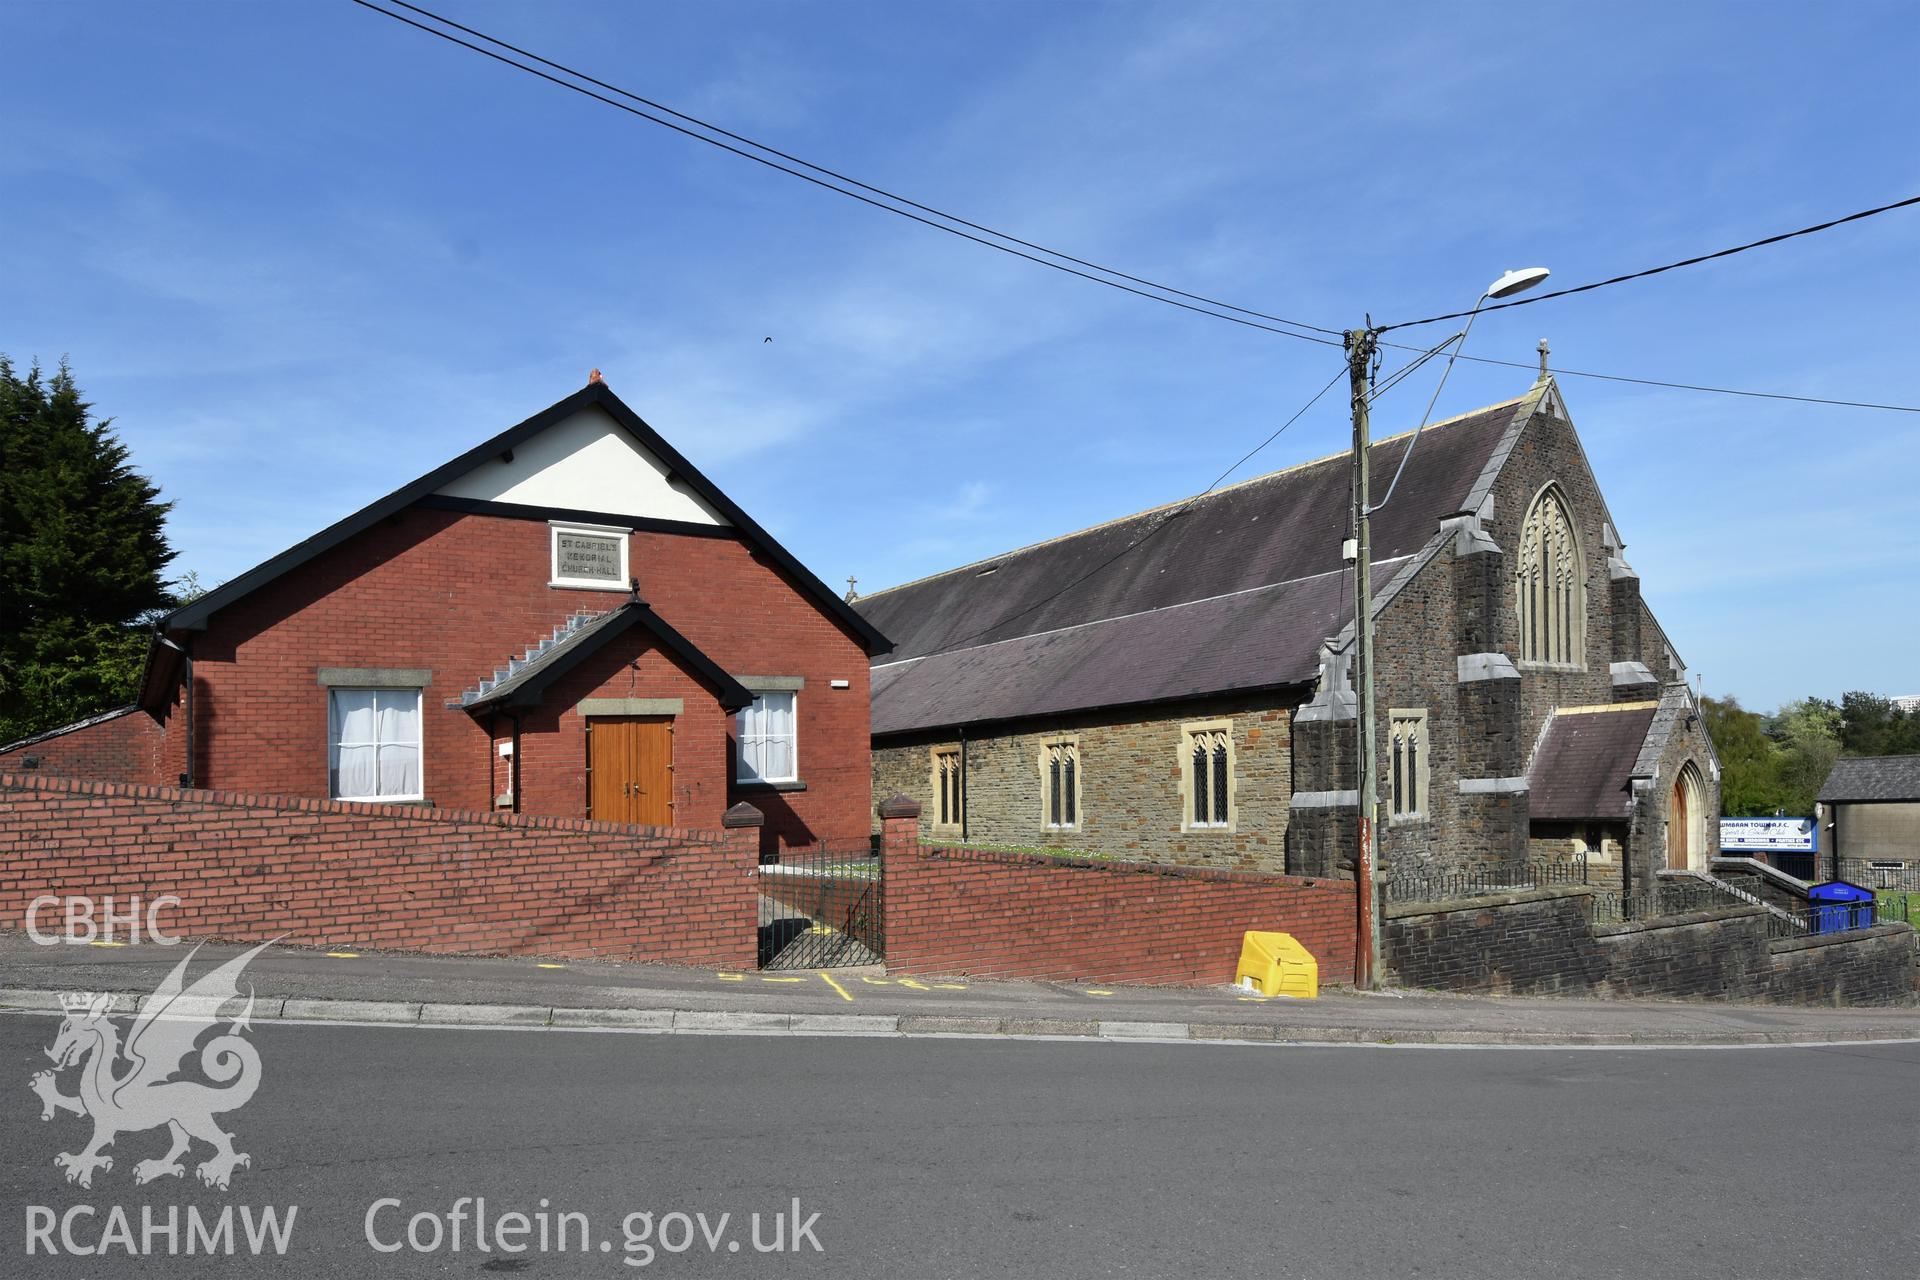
x=937 y=1157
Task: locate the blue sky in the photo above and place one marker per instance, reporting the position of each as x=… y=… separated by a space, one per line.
x=303 y=254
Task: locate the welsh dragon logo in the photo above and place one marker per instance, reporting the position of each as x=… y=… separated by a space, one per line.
x=131 y=1087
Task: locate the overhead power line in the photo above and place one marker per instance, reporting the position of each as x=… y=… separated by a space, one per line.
x=1139 y=286
x=1151 y=533
x=1671 y=266
x=957 y=229
x=1671 y=386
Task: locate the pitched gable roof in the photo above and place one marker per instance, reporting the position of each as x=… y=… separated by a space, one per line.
x=525 y=683
x=1586 y=761
x=1254 y=569
x=1871 y=779
x=194 y=616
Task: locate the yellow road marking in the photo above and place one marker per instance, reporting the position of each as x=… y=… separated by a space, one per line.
x=549 y=966
x=844 y=993
x=783 y=979
x=876 y=982
x=101 y=943
x=731 y=977
x=951 y=986
x=1098 y=992
x=917 y=986
x=1252 y=999
x=343 y=955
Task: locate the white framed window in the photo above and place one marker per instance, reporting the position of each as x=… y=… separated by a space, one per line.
x=770 y=739
x=373 y=744
x=590 y=556
x=1207 y=776
x=1407 y=764
x=1060 y=784
x=949 y=788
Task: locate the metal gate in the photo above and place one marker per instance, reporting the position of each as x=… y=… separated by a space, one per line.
x=822 y=908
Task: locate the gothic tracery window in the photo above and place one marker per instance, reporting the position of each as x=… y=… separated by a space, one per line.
x=1550 y=584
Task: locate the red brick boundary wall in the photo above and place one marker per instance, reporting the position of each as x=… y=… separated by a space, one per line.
x=1012 y=915
x=324 y=872
x=124 y=745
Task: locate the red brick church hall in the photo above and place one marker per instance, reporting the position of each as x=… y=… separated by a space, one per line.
x=569 y=619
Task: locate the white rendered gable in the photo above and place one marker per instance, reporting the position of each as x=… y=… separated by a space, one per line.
x=585 y=463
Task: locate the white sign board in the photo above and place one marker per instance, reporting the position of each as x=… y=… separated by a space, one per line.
x=1768 y=835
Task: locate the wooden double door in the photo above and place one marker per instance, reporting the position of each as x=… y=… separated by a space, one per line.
x=630 y=770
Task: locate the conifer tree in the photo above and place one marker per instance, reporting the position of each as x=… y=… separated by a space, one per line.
x=82 y=551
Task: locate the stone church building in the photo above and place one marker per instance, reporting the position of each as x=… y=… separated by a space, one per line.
x=1177 y=685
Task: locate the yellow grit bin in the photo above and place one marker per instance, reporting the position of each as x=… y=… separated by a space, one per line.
x=1275 y=964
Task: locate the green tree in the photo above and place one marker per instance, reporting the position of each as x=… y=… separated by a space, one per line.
x=82 y=550
x=1873 y=726
x=1750 y=784
x=1808 y=735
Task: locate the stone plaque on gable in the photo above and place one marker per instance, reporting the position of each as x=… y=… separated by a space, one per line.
x=590 y=556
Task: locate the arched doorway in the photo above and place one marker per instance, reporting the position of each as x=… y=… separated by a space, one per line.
x=1687 y=823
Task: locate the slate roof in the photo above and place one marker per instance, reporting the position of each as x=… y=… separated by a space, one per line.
x=1249 y=579
x=1867 y=779
x=524 y=681
x=1585 y=763
x=1252 y=639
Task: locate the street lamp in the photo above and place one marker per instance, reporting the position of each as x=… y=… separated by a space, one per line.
x=1360 y=345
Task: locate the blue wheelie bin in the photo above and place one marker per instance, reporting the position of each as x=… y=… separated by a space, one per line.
x=1839 y=905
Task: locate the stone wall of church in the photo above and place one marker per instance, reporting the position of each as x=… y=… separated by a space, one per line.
x=1446 y=644
x=1130 y=796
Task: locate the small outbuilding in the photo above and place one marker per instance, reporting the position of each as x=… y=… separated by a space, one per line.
x=1869 y=820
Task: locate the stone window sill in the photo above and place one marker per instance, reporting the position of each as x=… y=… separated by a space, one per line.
x=792 y=784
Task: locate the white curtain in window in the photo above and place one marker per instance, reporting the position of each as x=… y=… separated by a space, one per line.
x=767 y=739
x=374 y=743
x=399 y=721
x=352 y=735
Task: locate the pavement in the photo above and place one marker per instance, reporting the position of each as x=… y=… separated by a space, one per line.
x=934 y=1157
x=297 y=984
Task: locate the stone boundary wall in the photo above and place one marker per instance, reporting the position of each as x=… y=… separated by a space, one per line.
x=1540 y=942
x=1719 y=953
x=332 y=873
x=1528 y=942
x=1014 y=915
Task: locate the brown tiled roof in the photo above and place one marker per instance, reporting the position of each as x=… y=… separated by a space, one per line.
x=1866 y=779
x=1584 y=765
x=1250 y=576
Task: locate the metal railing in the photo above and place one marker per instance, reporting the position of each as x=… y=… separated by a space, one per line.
x=1842 y=917
x=1662 y=900
x=1876 y=873
x=1423 y=884
x=822 y=908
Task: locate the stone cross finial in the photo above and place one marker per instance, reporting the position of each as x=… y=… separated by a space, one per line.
x=852 y=595
x=1543 y=359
